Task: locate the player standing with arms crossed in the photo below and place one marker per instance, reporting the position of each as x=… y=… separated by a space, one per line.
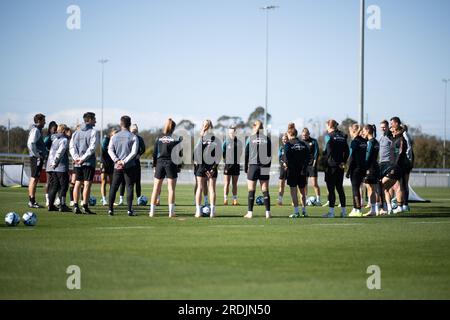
x=82 y=149
x=258 y=159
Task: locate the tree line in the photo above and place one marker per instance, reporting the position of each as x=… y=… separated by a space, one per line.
x=428 y=149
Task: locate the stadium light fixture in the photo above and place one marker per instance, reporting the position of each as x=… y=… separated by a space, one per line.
x=446 y=81
x=267 y=9
x=102 y=61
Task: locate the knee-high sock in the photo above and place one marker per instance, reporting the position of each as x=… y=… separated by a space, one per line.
x=266 y=200
x=251 y=200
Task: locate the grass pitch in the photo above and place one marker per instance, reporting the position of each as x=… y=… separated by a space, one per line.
x=228 y=257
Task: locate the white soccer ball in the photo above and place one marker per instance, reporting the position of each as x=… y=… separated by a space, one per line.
x=57 y=202
x=12 y=219
x=29 y=219
x=311 y=201
x=206 y=211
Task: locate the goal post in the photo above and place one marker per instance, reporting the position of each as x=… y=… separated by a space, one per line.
x=13 y=174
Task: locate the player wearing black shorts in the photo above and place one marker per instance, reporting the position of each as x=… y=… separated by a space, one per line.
x=258 y=159
x=312 y=173
x=373 y=169
x=232 y=150
x=336 y=153
x=107 y=168
x=297 y=160
x=357 y=167
x=283 y=170
x=37 y=152
x=167 y=160
x=207 y=155
x=82 y=149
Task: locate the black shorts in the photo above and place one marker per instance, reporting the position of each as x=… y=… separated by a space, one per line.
x=166 y=169
x=84 y=173
x=311 y=171
x=36 y=165
x=256 y=173
x=296 y=179
x=394 y=172
x=232 y=169
x=283 y=173
x=201 y=169
x=107 y=167
x=372 y=176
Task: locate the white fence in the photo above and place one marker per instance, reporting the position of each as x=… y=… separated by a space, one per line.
x=416 y=179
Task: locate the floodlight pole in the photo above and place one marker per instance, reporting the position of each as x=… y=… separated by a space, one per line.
x=445 y=123
x=9 y=130
x=361 y=65
x=102 y=61
x=267 y=9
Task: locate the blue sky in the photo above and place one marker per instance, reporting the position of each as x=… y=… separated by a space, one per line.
x=200 y=59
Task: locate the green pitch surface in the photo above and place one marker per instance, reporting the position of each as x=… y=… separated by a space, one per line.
x=228 y=257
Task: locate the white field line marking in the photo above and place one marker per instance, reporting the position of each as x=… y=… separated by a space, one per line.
x=17 y=229
x=120 y=228
x=334 y=224
x=430 y=222
x=237 y=225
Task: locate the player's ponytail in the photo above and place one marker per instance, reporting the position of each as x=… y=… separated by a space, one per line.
x=207 y=125
x=371 y=129
x=258 y=125
x=169 y=126
x=292 y=131
x=332 y=124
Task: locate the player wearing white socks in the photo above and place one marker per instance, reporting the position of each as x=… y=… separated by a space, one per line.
x=206 y=160
x=373 y=169
x=312 y=173
x=258 y=156
x=167 y=158
x=296 y=165
x=232 y=152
